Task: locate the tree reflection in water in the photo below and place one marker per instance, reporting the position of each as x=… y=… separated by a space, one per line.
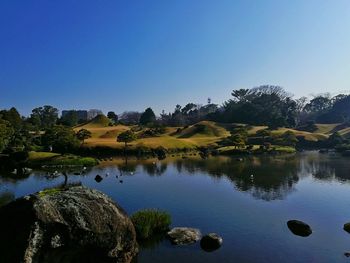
x=267 y=178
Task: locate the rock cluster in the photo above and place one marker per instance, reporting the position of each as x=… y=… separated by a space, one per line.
x=186 y=235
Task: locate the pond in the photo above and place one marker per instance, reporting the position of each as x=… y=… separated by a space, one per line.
x=247 y=202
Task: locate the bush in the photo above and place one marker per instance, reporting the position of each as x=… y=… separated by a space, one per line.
x=150 y=222
x=160 y=151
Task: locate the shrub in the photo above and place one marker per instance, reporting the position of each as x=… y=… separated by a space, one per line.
x=160 y=151
x=150 y=222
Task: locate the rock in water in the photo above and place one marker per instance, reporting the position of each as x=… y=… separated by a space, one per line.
x=184 y=235
x=211 y=242
x=98 y=178
x=299 y=228
x=347 y=227
x=66 y=225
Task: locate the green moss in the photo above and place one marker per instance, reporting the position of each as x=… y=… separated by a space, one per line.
x=50 y=191
x=150 y=222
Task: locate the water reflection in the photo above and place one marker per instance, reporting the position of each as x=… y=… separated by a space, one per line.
x=326 y=167
x=155 y=168
x=264 y=177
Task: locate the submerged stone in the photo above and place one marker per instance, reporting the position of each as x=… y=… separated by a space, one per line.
x=66 y=225
x=299 y=228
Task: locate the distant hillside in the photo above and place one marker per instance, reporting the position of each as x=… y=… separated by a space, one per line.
x=203 y=133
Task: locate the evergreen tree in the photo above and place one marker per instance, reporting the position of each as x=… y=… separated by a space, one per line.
x=148 y=117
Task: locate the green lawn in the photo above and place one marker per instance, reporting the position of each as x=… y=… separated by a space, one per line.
x=48 y=158
x=273 y=148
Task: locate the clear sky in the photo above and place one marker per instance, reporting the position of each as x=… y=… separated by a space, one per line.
x=128 y=55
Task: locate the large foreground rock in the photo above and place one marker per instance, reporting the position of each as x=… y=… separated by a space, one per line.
x=184 y=235
x=299 y=228
x=77 y=224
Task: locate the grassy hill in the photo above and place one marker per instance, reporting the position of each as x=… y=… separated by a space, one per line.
x=328 y=129
x=203 y=129
x=200 y=134
x=203 y=133
x=309 y=136
x=97 y=122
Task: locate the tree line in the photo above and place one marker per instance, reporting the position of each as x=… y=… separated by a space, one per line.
x=266 y=105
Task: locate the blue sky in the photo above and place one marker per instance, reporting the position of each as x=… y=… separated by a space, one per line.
x=128 y=55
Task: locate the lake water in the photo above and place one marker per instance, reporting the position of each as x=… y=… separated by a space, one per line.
x=220 y=195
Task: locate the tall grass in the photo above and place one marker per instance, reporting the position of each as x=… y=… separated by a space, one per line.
x=150 y=222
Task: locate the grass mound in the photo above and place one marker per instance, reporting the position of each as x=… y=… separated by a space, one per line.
x=97 y=122
x=204 y=129
x=113 y=133
x=150 y=222
x=308 y=136
x=327 y=128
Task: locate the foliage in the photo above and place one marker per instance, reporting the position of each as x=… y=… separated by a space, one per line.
x=152 y=132
x=161 y=152
x=190 y=114
x=61 y=138
x=289 y=139
x=238 y=137
x=6 y=133
x=263 y=133
x=147 y=117
x=126 y=137
x=13 y=117
x=264 y=105
x=70 y=118
x=150 y=222
x=112 y=116
x=334 y=140
x=83 y=134
x=44 y=117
